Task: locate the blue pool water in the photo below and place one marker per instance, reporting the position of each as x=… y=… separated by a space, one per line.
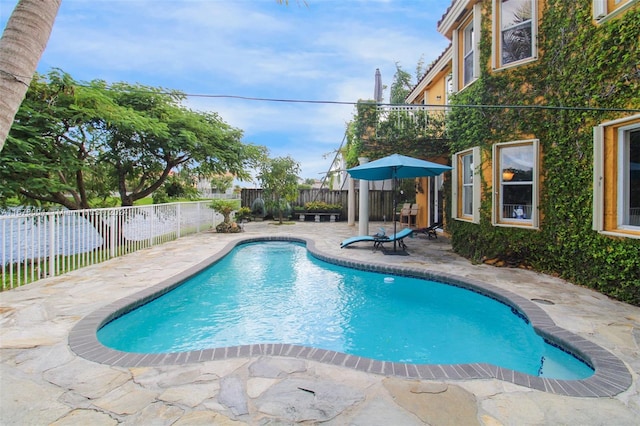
x=276 y=292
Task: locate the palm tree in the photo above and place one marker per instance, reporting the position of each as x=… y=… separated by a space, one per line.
x=21 y=47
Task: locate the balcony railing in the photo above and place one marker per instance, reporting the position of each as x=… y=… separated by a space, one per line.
x=423 y=119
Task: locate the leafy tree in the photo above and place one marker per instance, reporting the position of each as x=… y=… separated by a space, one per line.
x=401 y=85
x=73 y=144
x=222 y=183
x=279 y=179
x=177 y=186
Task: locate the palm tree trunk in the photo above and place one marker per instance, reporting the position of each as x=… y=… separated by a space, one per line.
x=23 y=41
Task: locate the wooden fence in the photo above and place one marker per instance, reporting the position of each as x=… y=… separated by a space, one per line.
x=380 y=202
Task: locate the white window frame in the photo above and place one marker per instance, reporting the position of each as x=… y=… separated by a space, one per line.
x=624 y=143
x=497 y=36
x=531 y=222
x=601 y=11
x=457 y=185
x=458 y=50
x=468 y=41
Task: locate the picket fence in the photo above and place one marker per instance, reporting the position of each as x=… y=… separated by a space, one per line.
x=35 y=245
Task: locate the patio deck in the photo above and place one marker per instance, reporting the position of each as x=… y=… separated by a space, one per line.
x=42 y=381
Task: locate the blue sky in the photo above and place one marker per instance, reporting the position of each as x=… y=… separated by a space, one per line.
x=324 y=50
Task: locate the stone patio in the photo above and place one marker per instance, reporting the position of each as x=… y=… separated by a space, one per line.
x=42 y=381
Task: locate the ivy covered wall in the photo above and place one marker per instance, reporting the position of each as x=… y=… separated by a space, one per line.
x=580 y=65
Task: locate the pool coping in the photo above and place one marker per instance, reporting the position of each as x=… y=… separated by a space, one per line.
x=610 y=377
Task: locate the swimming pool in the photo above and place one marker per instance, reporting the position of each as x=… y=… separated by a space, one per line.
x=607 y=367
x=276 y=292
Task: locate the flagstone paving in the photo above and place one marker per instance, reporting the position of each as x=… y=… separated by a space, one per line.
x=42 y=381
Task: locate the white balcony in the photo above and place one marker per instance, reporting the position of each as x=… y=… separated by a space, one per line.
x=422 y=119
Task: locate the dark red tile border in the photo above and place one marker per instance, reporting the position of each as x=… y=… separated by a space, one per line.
x=610 y=377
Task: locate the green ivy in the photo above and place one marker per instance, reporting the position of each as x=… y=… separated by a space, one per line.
x=581 y=65
x=418 y=134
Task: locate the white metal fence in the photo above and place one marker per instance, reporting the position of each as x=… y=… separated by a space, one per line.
x=38 y=245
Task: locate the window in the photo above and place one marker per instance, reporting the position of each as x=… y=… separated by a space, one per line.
x=466 y=184
x=605 y=9
x=515 y=31
x=465 y=43
x=516 y=39
x=617 y=177
x=468 y=45
x=629 y=180
x=516 y=191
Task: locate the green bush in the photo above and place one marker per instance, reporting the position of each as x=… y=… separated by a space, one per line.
x=321 y=207
x=243 y=213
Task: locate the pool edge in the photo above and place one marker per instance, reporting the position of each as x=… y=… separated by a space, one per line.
x=610 y=377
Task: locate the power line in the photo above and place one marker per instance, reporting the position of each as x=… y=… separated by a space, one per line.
x=354 y=103
x=447 y=106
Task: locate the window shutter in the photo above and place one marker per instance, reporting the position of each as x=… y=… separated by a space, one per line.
x=454 y=186
x=477 y=178
x=598 y=178
x=477 y=27
x=599 y=9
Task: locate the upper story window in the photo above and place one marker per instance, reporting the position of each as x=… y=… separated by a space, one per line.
x=515 y=32
x=465 y=33
x=467 y=52
x=466 y=185
x=605 y=9
x=516 y=169
x=616 y=185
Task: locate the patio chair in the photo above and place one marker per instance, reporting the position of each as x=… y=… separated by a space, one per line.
x=398 y=236
x=405 y=213
x=380 y=235
x=429 y=231
x=378 y=241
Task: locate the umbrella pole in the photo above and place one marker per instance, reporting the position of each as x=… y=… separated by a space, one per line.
x=395 y=207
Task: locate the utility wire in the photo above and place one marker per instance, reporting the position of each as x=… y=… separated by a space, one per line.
x=369 y=102
x=448 y=106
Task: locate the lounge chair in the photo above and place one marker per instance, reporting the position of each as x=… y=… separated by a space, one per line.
x=379 y=240
x=398 y=236
x=430 y=231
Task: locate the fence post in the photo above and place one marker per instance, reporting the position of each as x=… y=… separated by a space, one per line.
x=112 y=232
x=178 y=210
x=198 y=218
x=52 y=245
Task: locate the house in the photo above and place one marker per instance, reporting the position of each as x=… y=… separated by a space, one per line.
x=542 y=102
x=433 y=91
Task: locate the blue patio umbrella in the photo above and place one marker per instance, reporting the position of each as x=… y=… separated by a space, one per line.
x=395 y=167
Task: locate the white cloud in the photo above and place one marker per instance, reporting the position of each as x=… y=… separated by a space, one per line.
x=324 y=50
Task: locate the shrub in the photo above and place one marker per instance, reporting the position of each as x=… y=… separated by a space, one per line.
x=321 y=207
x=243 y=213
